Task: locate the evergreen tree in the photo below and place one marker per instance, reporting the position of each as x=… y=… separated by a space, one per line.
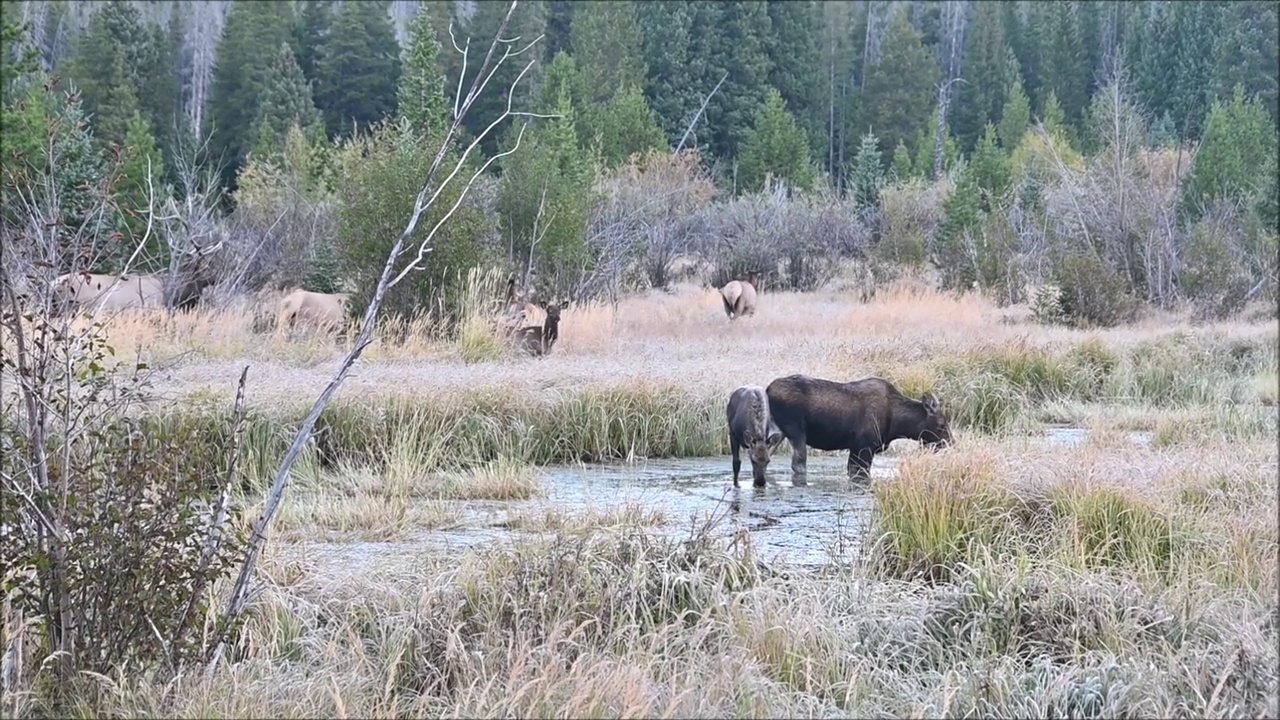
x=1022 y=40
x=1245 y=53
x=141 y=156
x=991 y=169
x=1194 y=28
x=795 y=62
x=989 y=65
x=250 y=40
x=627 y=126
x=899 y=89
x=961 y=222
x=1237 y=135
x=420 y=97
x=285 y=103
x=15 y=60
x=109 y=65
x=358 y=68
x=1015 y=117
x=730 y=36
x=1053 y=118
x=867 y=176
x=926 y=144
x=901 y=167
x=1089 y=20
x=309 y=34
x=776 y=146
x=1063 y=59
x=607 y=47
x=549 y=172
x=527 y=22
x=665 y=27
x=559 y=20
x=1151 y=53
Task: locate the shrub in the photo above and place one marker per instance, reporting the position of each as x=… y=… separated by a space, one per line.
x=1092 y=292
x=382 y=173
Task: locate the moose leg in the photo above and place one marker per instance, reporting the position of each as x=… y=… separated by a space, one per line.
x=799 y=456
x=737 y=460
x=860 y=462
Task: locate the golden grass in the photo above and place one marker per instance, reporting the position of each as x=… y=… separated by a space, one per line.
x=1007 y=576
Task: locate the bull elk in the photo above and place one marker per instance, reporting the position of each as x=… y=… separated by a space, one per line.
x=739 y=296
x=85 y=291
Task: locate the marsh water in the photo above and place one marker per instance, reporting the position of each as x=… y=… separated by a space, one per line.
x=821 y=521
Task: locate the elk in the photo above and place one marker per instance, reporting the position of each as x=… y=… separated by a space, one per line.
x=739 y=296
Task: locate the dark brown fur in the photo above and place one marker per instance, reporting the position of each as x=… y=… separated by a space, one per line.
x=862 y=416
x=751 y=427
x=538 y=340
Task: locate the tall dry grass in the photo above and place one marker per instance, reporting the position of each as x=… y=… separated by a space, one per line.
x=1004 y=577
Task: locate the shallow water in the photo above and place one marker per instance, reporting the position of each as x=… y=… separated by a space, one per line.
x=821 y=521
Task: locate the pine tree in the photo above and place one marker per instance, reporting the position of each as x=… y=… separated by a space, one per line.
x=15 y=61
x=926 y=144
x=1052 y=117
x=141 y=156
x=1063 y=59
x=109 y=65
x=1245 y=53
x=665 y=27
x=420 y=97
x=867 y=176
x=901 y=168
x=1194 y=29
x=1237 y=135
x=776 y=146
x=607 y=46
x=1015 y=117
x=250 y=40
x=309 y=34
x=730 y=36
x=991 y=169
x=285 y=102
x=989 y=65
x=961 y=221
x=899 y=89
x=795 y=61
x=627 y=126
x=358 y=68
x=549 y=169
x=559 y=20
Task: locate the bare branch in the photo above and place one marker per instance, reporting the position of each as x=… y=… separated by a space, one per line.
x=698 y=114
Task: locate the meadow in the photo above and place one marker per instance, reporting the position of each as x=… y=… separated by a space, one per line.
x=1004 y=576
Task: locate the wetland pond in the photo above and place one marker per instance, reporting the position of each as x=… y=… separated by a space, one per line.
x=822 y=521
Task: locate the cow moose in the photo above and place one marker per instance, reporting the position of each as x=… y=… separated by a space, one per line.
x=862 y=416
x=739 y=296
x=751 y=427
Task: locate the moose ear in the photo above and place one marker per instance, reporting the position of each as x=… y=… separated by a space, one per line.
x=931 y=403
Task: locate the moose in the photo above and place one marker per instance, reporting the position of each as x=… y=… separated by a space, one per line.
x=862 y=416
x=751 y=428
x=739 y=296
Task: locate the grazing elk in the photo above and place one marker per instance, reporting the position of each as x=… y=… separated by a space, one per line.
x=326 y=311
x=751 y=427
x=84 y=291
x=537 y=340
x=862 y=416
x=739 y=296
